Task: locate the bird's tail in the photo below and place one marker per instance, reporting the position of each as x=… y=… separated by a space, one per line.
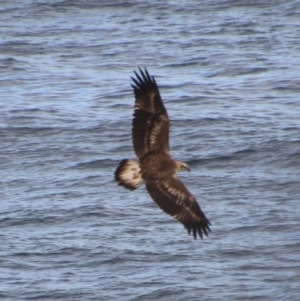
x=128 y=174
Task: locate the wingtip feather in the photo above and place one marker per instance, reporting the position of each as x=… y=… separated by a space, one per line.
x=198 y=229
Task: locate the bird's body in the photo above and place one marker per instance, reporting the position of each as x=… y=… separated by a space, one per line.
x=156 y=168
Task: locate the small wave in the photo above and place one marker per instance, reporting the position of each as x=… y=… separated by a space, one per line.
x=290 y=87
x=29 y=130
x=245 y=152
x=184 y=64
x=9 y=222
x=238 y=71
x=238 y=155
x=95 y=164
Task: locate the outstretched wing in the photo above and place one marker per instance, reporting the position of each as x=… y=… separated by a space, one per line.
x=173 y=198
x=150 y=125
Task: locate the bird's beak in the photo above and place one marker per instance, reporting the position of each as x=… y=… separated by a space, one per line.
x=187 y=168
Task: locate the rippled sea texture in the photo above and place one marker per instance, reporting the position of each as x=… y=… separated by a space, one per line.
x=228 y=72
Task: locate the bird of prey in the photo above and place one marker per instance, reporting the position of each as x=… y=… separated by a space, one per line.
x=155 y=167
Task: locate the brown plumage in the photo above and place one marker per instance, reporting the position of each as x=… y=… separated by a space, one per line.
x=156 y=168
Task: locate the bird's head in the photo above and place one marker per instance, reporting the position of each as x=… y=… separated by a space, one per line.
x=181 y=166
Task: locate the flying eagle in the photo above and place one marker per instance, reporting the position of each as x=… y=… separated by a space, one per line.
x=156 y=168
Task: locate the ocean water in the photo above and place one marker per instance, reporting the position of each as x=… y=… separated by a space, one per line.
x=228 y=72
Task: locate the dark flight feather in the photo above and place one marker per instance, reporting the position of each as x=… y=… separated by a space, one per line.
x=150 y=124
